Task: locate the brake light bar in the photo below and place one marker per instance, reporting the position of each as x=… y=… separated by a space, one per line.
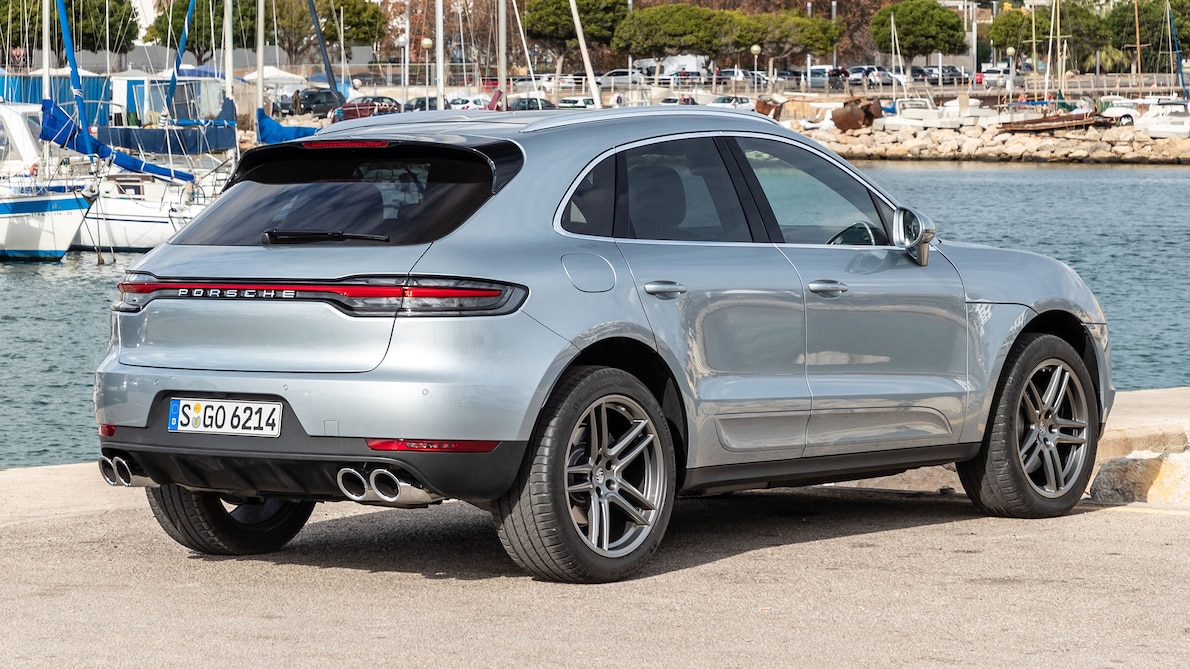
x=415 y=296
x=432 y=445
x=345 y=144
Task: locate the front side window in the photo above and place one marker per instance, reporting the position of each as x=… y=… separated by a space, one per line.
x=813 y=200
x=681 y=190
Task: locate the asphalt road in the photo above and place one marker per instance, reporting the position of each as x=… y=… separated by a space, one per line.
x=809 y=577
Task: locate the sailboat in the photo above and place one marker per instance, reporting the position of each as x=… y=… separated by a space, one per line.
x=36 y=222
x=135 y=203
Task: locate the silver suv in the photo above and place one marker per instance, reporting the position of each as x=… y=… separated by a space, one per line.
x=571 y=319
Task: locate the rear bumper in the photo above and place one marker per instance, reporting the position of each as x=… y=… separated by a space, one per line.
x=299 y=466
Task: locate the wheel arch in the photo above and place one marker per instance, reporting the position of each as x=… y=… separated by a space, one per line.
x=643 y=362
x=1069 y=328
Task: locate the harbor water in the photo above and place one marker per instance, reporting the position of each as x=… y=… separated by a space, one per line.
x=1123 y=228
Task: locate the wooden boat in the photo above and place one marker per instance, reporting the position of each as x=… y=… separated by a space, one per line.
x=1057 y=122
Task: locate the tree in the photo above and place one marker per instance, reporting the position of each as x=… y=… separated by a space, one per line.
x=923 y=27
x=1087 y=33
x=94 y=25
x=1155 y=50
x=363 y=21
x=670 y=30
x=550 y=23
x=166 y=29
x=790 y=32
x=1016 y=29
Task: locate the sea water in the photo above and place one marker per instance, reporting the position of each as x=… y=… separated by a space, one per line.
x=1124 y=229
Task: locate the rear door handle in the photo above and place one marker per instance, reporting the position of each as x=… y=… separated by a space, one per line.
x=666 y=290
x=828 y=288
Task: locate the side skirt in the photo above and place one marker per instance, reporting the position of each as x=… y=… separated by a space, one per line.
x=826 y=469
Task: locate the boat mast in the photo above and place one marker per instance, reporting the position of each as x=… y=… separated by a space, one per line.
x=1177 y=49
x=45 y=72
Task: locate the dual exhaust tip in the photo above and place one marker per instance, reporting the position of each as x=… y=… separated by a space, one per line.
x=118 y=471
x=382 y=487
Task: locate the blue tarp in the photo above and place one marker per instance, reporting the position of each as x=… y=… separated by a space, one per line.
x=59 y=128
x=188 y=137
x=269 y=131
x=27 y=88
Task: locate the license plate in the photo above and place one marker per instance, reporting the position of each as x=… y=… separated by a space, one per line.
x=252 y=419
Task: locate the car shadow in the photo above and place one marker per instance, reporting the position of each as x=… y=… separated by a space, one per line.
x=459 y=541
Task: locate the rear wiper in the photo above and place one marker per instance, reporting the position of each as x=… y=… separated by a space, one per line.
x=276 y=236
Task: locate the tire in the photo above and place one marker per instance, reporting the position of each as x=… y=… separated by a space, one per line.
x=1126 y=120
x=591 y=505
x=200 y=521
x=1039 y=447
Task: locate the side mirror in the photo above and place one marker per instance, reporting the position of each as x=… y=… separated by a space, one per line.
x=913 y=231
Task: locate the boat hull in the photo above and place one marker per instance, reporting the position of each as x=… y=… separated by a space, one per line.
x=39 y=227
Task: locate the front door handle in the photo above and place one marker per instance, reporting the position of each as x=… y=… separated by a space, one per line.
x=666 y=290
x=828 y=288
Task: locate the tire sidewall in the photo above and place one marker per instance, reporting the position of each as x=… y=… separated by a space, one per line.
x=555 y=439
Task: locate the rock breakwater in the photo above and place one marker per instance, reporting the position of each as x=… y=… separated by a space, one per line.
x=1121 y=144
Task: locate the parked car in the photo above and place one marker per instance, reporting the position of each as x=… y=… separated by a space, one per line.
x=871 y=75
x=956 y=74
x=470 y=102
x=827 y=77
x=733 y=102
x=747 y=77
x=678 y=301
x=425 y=103
x=368 y=105
x=576 y=103
x=907 y=75
x=317 y=101
x=620 y=78
x=530 y=103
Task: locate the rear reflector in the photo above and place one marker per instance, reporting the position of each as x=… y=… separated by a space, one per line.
x=106 y=430
x=432 y=445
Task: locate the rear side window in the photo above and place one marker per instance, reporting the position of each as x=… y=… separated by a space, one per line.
x=409 y=195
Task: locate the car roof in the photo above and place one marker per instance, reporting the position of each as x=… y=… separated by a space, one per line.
x=605 y=127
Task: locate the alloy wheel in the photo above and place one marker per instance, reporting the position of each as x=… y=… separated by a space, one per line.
x=615 y=476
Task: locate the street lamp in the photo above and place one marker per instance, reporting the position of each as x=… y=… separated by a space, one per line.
x=403 y=44
x=755 y=55
x=1011 y=52
x=426 y=45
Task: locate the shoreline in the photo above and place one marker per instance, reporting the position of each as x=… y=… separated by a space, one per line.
x=1115 y=145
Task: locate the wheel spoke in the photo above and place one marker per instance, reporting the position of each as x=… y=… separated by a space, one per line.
x=1032 y=400
x=635 y=452
x=638 y=426
x=628 y=490
x=1030 y=451
x=1053 y=469
x=633 y=513
x=600 y=445
x=1055 y=391
x=605 y=529
x=594 y=520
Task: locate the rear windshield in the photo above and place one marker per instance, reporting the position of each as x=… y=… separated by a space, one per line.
x=407 y=194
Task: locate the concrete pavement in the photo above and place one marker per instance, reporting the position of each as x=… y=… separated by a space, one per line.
x=821 y=576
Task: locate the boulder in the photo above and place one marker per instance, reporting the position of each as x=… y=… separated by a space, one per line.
x=1144 y=476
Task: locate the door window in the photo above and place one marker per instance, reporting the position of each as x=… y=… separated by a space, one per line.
x=680 y=190
x=812 y=200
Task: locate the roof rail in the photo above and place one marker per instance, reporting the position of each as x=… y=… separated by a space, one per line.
x=578 y=117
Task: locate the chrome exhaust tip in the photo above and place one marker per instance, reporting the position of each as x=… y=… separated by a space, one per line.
x=395 y=490
x=386 y=485
x=125 y=475
x=107 y=469
x=354 y=485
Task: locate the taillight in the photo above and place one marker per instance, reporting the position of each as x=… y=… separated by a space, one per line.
x=432 y=445
x=106 y=430
x=359 y=296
